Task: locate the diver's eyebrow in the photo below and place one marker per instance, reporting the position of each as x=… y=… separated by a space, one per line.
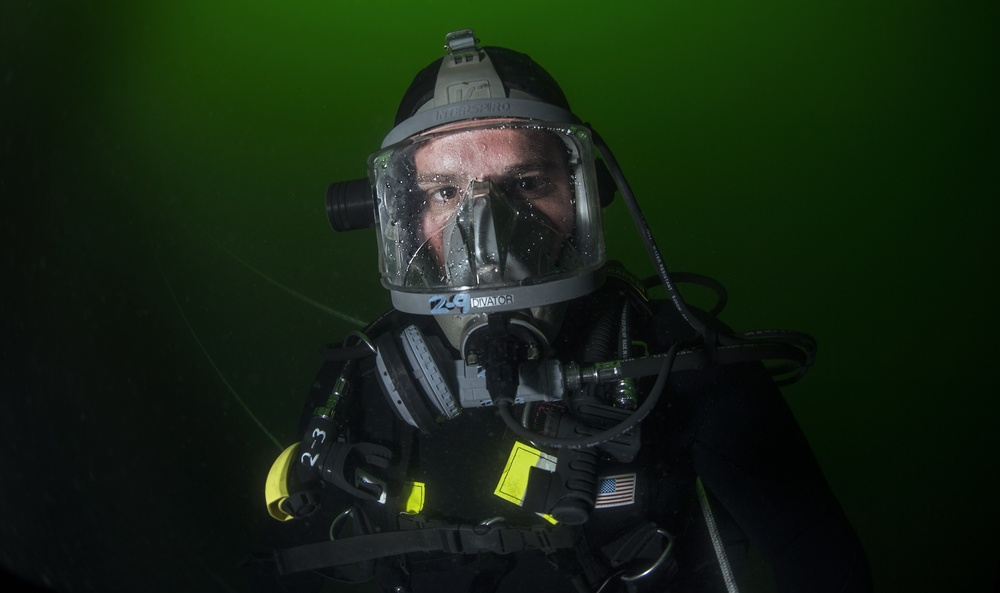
x=530 y=164
x=521 y=168
x=436 y=178
x=534 y=157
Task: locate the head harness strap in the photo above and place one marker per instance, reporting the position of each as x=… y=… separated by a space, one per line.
x=469 y=87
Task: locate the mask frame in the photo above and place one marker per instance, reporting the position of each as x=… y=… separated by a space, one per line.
x=415 y=275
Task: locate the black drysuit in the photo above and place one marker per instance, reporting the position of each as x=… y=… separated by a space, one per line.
x=727 y=424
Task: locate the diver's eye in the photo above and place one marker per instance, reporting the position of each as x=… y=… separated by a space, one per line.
x=530 y=186
x=441 y=194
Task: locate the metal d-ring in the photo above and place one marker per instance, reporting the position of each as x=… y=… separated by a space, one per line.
x=340 y=518
x=362 y=337
x=659 y=561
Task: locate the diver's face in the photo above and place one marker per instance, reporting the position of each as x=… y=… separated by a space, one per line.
x=528 y=166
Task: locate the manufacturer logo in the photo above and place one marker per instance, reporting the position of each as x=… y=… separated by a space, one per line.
x=462 y=110
x=467 y=91
x=442 y=304
x=499 y=300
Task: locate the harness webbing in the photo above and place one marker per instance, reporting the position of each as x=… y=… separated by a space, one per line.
x=454 y=539
x=713 y=531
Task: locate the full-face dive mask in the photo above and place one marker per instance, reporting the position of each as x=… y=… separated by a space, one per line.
x=488 y=217
x=485 y=194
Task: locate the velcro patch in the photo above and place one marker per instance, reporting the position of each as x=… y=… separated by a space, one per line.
x=615 y=491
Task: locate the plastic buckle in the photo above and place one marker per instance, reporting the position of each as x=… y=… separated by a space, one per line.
x=543 y=539
x=301 y=504
x=498 y=540
x=366 y=486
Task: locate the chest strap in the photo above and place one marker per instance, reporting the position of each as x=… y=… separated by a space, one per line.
x=453 y=539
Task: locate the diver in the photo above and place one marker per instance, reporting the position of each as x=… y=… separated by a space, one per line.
x=529 y=416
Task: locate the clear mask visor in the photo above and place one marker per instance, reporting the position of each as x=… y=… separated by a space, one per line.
x=487 y=207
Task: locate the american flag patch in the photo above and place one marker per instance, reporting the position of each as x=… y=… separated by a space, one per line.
x=615 y=491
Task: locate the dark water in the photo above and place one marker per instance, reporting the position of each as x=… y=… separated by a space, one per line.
x=168 y=273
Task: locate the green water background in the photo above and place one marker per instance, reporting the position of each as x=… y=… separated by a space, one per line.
x=162 y=173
